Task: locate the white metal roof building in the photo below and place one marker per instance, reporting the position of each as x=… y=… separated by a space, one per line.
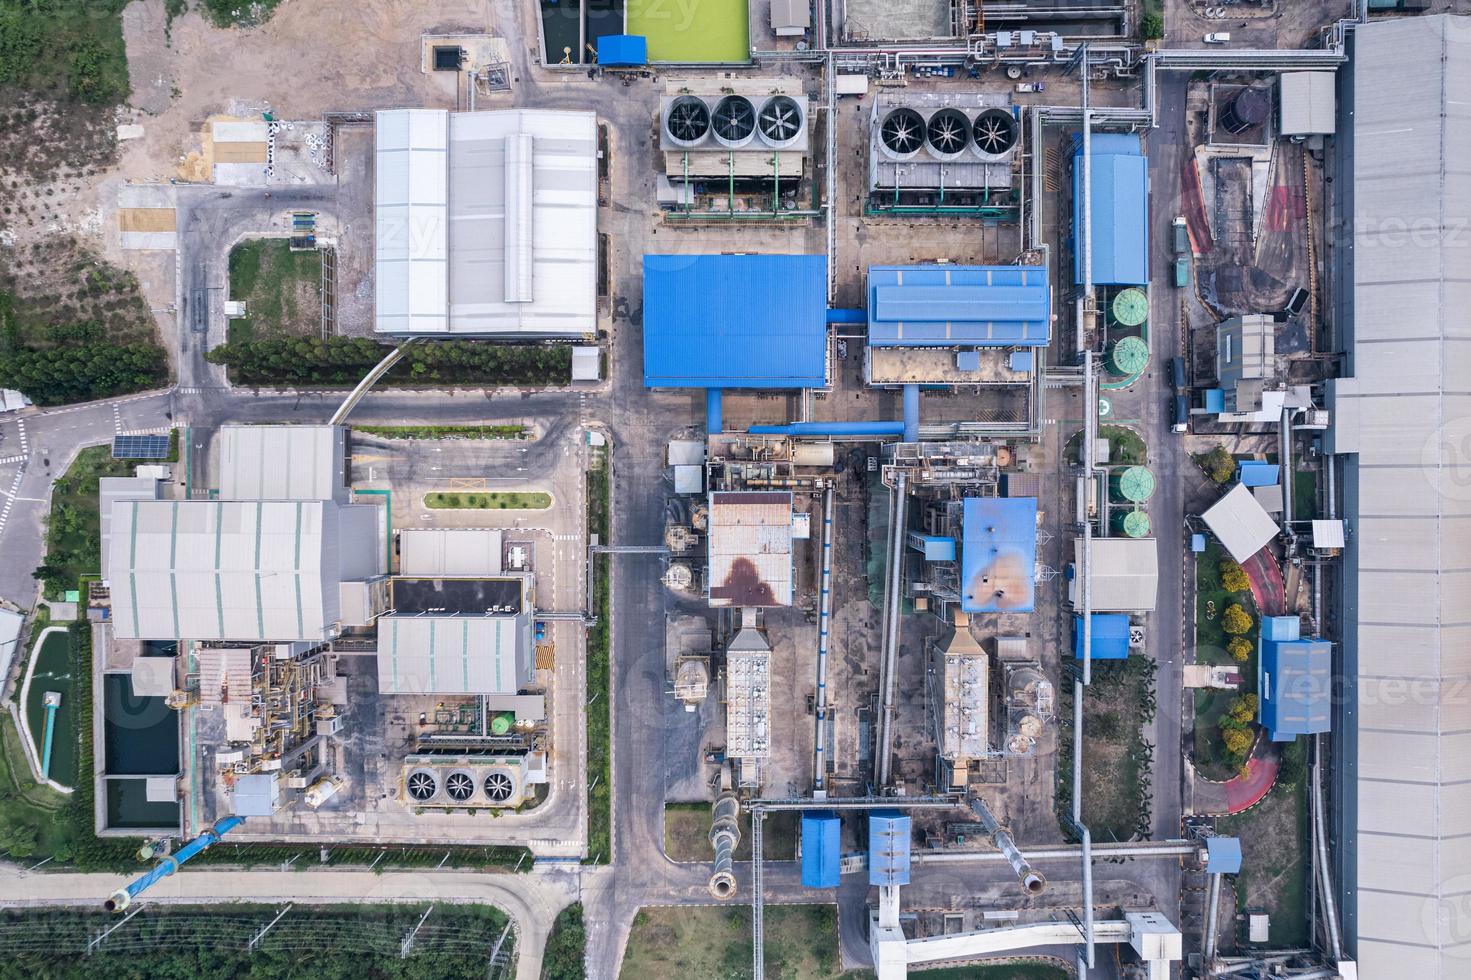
x=1241 y=523
x=111 y=489
x=236 y=570
x=486 y=222
x=1307 y=102
x=283 y=462
x=1124 y=574
x=457 y=551
x=430 y=654
x=1402 y=748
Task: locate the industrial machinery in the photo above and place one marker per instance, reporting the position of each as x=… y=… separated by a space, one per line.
x=735 y=135
x=453 y=781
x=941 y=152
x=725 y=834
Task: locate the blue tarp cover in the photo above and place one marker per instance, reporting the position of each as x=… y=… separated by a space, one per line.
x=735 y=321
x=622 y=50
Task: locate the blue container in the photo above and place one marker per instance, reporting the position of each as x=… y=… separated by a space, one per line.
x=820 y=833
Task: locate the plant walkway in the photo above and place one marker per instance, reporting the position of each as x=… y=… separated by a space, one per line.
x=1240 y=793
x=1267 y=587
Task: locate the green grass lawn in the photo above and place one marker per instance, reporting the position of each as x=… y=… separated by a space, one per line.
x=687 y=834
x=1211 y=601
x=1116 y=761
x=1304 y=495
x=714 y=942
x=53 y=673
x=471 y=432
x=1210 y=755
x=1274 y=855
x=73 y=531
x=281 y=289
x=599 y=662
x=710 y=30
x=493 y=500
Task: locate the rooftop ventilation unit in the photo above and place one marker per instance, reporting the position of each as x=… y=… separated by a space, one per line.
x=735 y=134
x=902 y=133
x=924 y=143
x=948 y=134
x=499 y=786
x=459 y=786
x=433 y=781
x=422 y=785
x=995 y=132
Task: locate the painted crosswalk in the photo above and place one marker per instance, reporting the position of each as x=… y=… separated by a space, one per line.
x=12 y=459
x=10 y=499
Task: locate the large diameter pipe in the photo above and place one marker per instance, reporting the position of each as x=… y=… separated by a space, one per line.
x=893 y=588
x=123 y=897
x=824 y=614
x=725 y=834
x=1032 y=881
x=911 y=413
x=877 y=429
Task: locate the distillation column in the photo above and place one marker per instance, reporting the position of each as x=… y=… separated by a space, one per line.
x=725 y=834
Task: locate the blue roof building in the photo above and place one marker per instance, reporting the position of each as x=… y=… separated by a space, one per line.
x=934 y=547
x=623 y=50
x=958 y=305
x=1110 y=639
x=888 y=848
x=820 y=856
x=735 y=321
x=1255 y=473
x=1294 y=681
x=1222 y=855
x=1120 y=212
x=998 y=554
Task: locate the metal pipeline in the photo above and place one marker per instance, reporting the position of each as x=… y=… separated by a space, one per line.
x=725 y=834
x=123 y=897
x=714 y=411
x=837 y=429
x=911 y=413
x=1032 y=880
x=1212 y=910
x=893 y=587
x=824 y=615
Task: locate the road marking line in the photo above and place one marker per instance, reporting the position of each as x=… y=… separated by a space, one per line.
x=20 y=428
x=117 y=421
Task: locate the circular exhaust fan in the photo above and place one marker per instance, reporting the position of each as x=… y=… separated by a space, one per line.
x=735 y=118
x=902 y=131
x=995 y=131
x=459 y=786
x=781 y=119
x=948 y=132
x=688 y=120
x=499 y=787
x=422 y=785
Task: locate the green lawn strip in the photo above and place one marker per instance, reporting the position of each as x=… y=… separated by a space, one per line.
x=491 y=500
x=687 y=834
x=1304 y=495
x=714 y=943
x=599 y=650
x=472 y=432
x=1125 y=446
x=1211 y=758
x=74 y=527
x=1274 y=850
x=315 y=361
x=1210 y=753
x=565 y=951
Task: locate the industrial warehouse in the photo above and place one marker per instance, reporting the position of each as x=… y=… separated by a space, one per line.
x=793 y=489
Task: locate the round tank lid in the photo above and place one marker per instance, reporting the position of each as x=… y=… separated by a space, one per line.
x=1136 y=484
x=1130 y=354
x=1131 y=307
x=501 y=723
x=1136 y=524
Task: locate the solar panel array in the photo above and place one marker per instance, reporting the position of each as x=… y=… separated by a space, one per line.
x=140 y=447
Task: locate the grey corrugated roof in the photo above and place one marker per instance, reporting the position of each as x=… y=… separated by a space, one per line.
x=1407 y=499
x=282 y=462
x=453 y=654
x=1307 y=102
x=454 y=551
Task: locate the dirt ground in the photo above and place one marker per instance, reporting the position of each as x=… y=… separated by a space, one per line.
x=64 y=293
x=1273 y=841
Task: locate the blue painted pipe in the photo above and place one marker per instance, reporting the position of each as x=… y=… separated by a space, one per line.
x=714 y=402
x=911 y=413
x=123 y=897
x=830 y=429
x=847 y=316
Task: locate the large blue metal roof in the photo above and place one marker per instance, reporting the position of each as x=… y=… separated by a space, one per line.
x=957 y=305
x=1294 y=681
x=888 y=847
x=735 y=321
x=1109 y=639
x=1120 y=212
x=821 y=866
x=998 y=554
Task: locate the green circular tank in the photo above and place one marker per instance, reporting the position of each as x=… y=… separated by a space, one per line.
x=1135 y=484
x=1131 y=307
x=1131 y=523
x=501 y=722
x=1128 y=357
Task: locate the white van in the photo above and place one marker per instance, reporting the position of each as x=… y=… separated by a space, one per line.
x=1221 y=37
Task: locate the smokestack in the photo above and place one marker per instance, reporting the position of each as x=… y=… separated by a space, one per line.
x=725 y=834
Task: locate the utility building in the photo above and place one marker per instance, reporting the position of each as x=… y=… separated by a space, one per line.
x=998 y=555
x=1119 y=217
x=1294 y=680
x=486 y=223
x=283 y=462
x=750 y=548
x=958 y=306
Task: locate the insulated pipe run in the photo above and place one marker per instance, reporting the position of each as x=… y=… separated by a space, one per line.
x=123 y=897
x=889 y=680
x=1212 y=909
x=725 y=834
x=1032 y=881
x=830 y=429
x=714 y=411
x=911 y=413
x=824 y=615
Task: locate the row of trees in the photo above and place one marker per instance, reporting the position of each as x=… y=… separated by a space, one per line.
x=1236 y=727
x=344 y=361
x=83 y=373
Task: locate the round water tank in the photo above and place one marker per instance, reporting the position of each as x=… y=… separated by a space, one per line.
x=1130 y=307
x=1129 y=356
x=1131 y=523
x=1135 y=484
x=1249 y=107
